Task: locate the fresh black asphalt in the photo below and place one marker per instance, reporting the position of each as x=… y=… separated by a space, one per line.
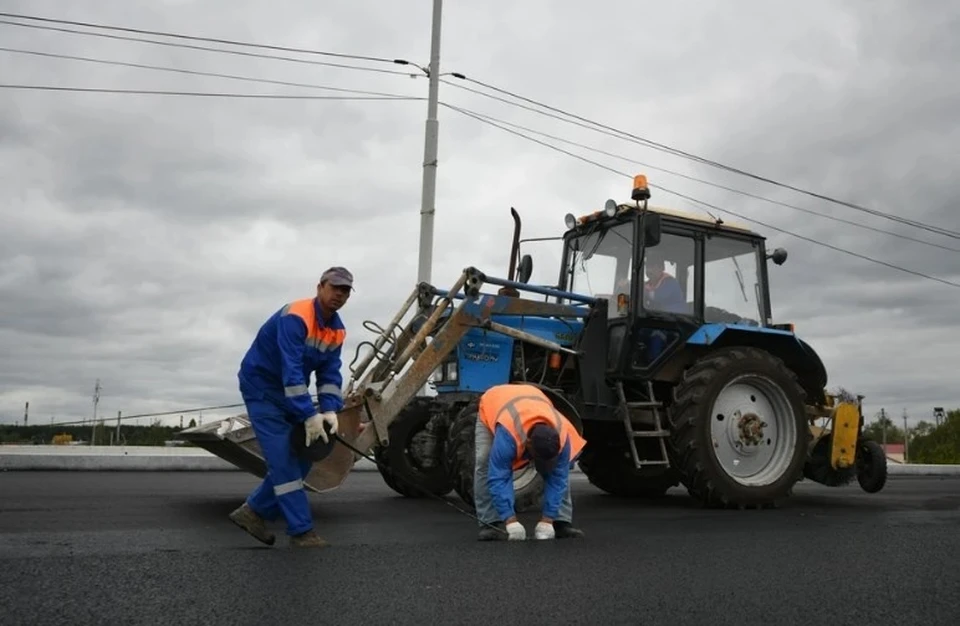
x=157 y=548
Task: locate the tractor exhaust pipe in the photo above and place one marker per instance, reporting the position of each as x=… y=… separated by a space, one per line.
x=515 y=246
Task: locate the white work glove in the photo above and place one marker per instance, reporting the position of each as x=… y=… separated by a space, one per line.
x=516 y=531
x=314 y=426
x=544 y=530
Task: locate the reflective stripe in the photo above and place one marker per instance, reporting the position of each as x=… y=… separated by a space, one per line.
x=510 y=407
x=295 y=390
x=290 y=487
x=331 y=389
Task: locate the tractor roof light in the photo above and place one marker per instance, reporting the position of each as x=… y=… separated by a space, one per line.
x=641 y=191
x=570 y=221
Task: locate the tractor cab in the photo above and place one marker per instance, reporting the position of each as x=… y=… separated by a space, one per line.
x=665 y=275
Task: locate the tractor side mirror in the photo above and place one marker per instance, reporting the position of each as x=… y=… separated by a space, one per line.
x=779 y=256
x=651 y=229
x=526 y=268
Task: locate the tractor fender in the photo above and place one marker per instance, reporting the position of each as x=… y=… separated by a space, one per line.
x=796 y=354
x=562 y=404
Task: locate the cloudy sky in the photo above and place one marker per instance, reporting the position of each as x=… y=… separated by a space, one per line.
x=146 y=237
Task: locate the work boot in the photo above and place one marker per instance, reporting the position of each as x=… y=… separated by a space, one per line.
x=245 y=518
x=498 y=533
x=309 y=539
x=566 y=530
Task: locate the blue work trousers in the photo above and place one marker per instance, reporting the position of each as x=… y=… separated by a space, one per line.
x=483 y=501
x=281 y=492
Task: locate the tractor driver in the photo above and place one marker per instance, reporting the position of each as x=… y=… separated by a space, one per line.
x=516 y=425
x=662 y=292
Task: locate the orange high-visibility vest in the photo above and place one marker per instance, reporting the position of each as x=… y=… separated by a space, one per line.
x=518 y=407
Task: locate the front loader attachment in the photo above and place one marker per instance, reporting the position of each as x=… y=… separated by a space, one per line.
x=396 y=368
x=234 y=441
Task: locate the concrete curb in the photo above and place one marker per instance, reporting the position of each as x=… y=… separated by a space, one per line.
x=183 y=459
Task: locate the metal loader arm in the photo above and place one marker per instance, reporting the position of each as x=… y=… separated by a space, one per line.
x=389 y=380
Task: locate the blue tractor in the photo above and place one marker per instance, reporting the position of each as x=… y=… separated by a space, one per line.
x=658 y=341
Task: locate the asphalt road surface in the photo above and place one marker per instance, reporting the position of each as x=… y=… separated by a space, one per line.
x=143 y=548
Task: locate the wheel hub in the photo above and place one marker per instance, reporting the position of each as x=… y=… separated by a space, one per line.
x=751 y=427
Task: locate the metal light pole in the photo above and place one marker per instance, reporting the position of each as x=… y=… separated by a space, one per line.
x=429 y=192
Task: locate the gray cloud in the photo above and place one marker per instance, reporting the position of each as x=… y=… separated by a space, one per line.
x=145 y=238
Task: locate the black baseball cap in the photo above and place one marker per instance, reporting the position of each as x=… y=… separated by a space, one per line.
x=544 y=447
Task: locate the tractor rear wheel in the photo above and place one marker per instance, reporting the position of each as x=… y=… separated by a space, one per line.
x=409 y=465
x=611 y=469
x=739 y=429
x=459 y=459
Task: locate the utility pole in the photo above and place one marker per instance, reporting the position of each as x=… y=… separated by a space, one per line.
x=906 y=438
x=118 y=428
x=883 y=425
x=26 y=414
x=96 y=401
x=431 y=139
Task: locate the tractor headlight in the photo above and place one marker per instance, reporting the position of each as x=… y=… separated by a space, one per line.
x=450 y=371
x=570 y=221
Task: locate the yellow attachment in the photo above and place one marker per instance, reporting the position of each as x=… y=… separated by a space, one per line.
x=845 y=420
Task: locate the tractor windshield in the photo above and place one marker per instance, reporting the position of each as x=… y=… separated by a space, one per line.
x=733 y=291
x=600 y=263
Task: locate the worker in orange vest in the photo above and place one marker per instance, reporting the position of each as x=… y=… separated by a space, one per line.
x=517 y=424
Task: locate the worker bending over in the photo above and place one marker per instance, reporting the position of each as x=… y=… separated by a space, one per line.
x=517 y=425
x=304 y=336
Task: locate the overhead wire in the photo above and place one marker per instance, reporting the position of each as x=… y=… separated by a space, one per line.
x=162 y=92
x=172 y=44
x=480 y=117
x=712 y=184
x=702 y=203
x=665 y=148
x=643 y=141
x=232 y=42
x=196 y=72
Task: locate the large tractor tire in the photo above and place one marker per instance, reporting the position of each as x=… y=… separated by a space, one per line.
x=739 y=429
x=459 y=459
x=406 y=464
x=610 y=468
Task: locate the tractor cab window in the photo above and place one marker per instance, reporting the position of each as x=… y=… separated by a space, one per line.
x=732 y=291
x=668 y=274
x=601 y=263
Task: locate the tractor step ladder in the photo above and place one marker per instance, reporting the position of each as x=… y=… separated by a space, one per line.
x=658 y=431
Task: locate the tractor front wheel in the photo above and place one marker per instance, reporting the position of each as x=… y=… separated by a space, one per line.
x=739 y=429
x=611 y=469
x=459 y=456
x=409 y=464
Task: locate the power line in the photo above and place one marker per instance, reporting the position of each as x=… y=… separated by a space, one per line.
x=232 y=42
x=489 y=117
x=723 y=210
x=196 y=72
x=160 y=414
x=665 y=148
x=171 y=44
x=643 y=141
x=712 y=184
x=160 y=92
